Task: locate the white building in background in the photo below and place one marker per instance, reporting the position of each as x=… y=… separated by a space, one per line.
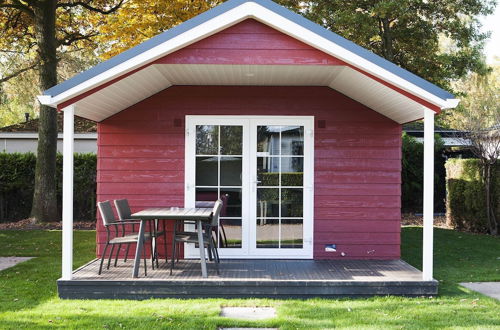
x=11 y=142
x=23 y=137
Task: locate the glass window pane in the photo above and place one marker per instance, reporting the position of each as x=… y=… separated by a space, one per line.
x=291 y=202
x=292 y=140
x=231 y=140
x=268 y=171
x=292 y=171
x=230 y=171
x=267 y=202
x=268 y=233
x=291 y=233
x=231 y=198
x=206 y=171
x=268 y=140
x=230 y=233
x=207 y=140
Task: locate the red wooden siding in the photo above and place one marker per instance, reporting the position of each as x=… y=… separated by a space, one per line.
x=357 y=159
x=250 y=42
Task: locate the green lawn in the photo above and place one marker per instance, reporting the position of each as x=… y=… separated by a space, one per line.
x=28 y=297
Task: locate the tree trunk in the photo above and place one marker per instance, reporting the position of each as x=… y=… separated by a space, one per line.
x=489 y=207
x=45 y=196
x=386 y=36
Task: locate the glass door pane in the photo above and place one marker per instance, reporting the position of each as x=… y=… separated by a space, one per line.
x=280 y=190
x=218 y=171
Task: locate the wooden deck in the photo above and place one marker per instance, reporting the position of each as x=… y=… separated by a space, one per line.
x=251 y=278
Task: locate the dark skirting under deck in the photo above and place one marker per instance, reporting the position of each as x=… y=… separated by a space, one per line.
x=251 y=278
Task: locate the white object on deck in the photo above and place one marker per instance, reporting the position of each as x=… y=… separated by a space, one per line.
x=428 y=240
x=67 y=198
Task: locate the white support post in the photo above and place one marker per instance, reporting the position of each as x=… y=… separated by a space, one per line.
x=428 y=240
x=67 y=198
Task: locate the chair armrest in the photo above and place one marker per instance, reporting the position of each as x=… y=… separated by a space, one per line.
x=124 y=222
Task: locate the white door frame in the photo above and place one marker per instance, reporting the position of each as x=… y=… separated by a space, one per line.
x=248 y=249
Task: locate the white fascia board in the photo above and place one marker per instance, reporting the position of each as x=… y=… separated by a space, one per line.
x=231 y=17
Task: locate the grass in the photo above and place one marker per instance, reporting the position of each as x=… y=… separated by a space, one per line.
x=28 y=297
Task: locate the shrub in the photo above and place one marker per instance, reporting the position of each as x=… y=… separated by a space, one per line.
x=465 y=195
x=412 y=175
x=17 y=177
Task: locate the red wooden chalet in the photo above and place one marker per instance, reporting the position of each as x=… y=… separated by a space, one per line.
x=297 y=129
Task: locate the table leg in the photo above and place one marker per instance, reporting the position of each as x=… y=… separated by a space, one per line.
x=202 y=249
x=138 y=250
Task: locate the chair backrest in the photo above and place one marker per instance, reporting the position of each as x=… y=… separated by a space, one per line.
x=216 y=212
x=123 y=209
x=106 y=212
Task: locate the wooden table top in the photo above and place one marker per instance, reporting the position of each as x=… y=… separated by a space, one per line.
x=168 y=213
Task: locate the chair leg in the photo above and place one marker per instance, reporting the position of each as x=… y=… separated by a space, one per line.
x=117 y=253
x=216 y=252
x=156 y=252
x=173 y=255
x=126 y=253
x=173 y=247
x=145 y=263
x=111 y=255
x=102 y=258
x=165 y=240
x=211 y=247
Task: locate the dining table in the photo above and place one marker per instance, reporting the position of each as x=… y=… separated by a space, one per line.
x=197 y=214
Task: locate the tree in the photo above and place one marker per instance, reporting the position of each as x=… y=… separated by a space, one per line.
x=140 y=20
x=478 y=116
x=35 y=30
x=411 y=33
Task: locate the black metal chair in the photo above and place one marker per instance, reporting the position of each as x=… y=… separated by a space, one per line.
x=115 y=237
x=192 y=237
x=124 y=214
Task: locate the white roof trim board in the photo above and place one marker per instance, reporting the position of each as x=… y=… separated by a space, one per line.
x=222 y=17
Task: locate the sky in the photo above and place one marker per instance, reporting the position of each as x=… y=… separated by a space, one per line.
x=492 y=48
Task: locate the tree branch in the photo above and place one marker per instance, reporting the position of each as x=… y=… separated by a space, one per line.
x=71 y=38
x=89 y=7
x=19 y=6
x=18 y=72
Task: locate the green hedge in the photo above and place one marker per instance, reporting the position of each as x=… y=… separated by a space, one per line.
x=412 y=173
x=17 y=176
x=466 y=202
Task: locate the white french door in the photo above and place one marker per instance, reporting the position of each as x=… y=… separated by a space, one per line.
x=262 y=169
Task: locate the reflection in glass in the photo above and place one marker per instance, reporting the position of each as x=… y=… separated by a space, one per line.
x=268 y=140
x=230 y=171
x=268 y=171
x=231 y=140
x=207 y=140
x=291 y=233
x=292 y=171
x=292 y=140
x=267 y=233
x=231 y=198
x=291 y=202
x=230 y=234
x=267 y=202
x=206 y=171
x=207 y=194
